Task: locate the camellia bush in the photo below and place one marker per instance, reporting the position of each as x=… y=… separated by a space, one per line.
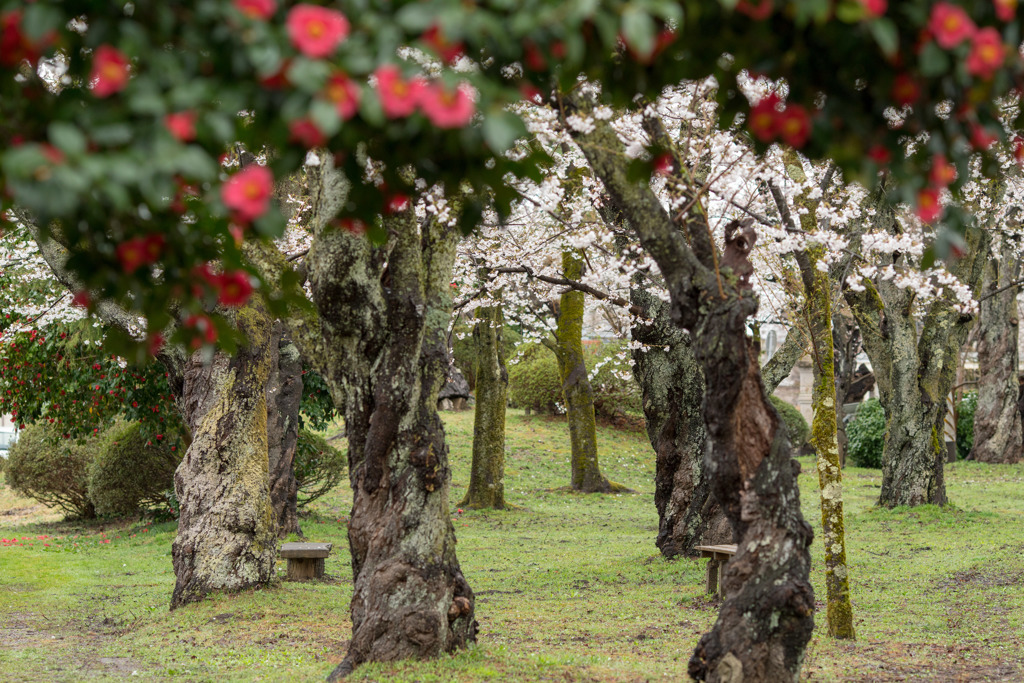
x=131 y=472
x=52 y=470
x=866 y=434
x=796 y=425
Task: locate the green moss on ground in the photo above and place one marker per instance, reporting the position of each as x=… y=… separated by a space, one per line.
x=570 y=587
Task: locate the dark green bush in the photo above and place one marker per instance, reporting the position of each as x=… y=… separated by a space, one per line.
x=965 y=423
x=796 y=425
x=319 y=466
x=616 y=392
x=866 y=434
x=533 y=381
x=52 y=470
x=131 y=471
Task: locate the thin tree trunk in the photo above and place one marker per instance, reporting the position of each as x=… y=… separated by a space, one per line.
x=997 y=421
x=487 y=476
x=284 y=397
x=227 y=536
x=576 y=387
x=766 y=618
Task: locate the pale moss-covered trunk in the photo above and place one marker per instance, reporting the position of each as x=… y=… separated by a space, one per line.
x=576 y=388
x=766 y=617
x=227 y=535
x=997 y=420
x=284 y=398
x=818 y=292
x=915 y=372
x=487 y=474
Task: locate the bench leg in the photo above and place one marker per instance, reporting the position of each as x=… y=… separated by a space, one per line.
x=304 y=569
x=713 y=575
x=721 y=577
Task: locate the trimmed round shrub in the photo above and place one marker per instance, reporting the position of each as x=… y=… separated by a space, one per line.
x=52 y=470
x=796 y=425
x=534 y=382
x=866 y=434
x=965 y=424
x=319 y=466
x=131 y=472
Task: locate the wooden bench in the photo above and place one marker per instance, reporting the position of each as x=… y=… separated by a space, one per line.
x=305 y=560
x=719 y=555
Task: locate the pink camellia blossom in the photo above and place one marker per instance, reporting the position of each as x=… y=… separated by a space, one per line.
x=316 y=31
x=664 y=164
x=875 y=8
x=987 y=53
x=928 y=206
x=950 y=25
x=446 y=108
x=942 y=173
x=109 y=71
x=182 y=125
x=256 y=9
x=234 y=288
x=981 y=138
x=398 y=97
x=1005 y=9
x=306 y=133
x=248 y=192
x=446 y=49
x=344 y=93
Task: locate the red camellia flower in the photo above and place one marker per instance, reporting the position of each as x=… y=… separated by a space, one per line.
x=928 y=206
x=943 y=173
x=204 y=326
x=139 y=251
x=81 y=299
x=257 y=9
x=235 y=288
x=1005 y=9
x=759 y=9
x=664 y=164
x=316 y=31
x=109 y=71
x=306 y=133
x=905 y=90
x=875 y=8
x=880 y=155
x=447 y=50
x=981 y=138
x=445 y=108
x=398 y=97
x=764 y=118
x=182 y=125
x=344 y=93
x=950 y=25
x=156 y=342
x=987 y=53
x=352 y=225
x=15 y=46
x=396 y=203
x=794 y=125
x=1018 y=150
x=248 y=192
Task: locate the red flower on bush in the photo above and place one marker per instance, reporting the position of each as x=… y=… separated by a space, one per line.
x=344 y=93
x=248 y=192
x=306 y=133
x=905 y=90
x=447 y=50
x=109 y=71
x=875 y=8
x=928 y=206
x=1005 y=9
x=981 y=138
x=257 y=9
x=943 y=173
x=764 y=118
x=950 y=25
x=204 y=326
x=794 y=125
x=987 y=53
x=316 y=31
x=758 y=10
x=15 y=46
x=139 y=251
x=235 y=288
x=398 y=97
x=396 y=203
x=182 y=125
x=446 y=108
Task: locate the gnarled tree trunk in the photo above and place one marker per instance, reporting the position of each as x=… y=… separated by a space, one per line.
x=227 y=536
x=997 y=421
x=284 y=397
x=767 y=615
x=487 y=475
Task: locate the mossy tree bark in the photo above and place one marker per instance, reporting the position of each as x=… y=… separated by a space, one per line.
x=378 y=338
x=284 y=398
x=487 y=475
x=767 y=615
x=914 y=372
x=997 y=420
x=576 y=388
x=227 y=536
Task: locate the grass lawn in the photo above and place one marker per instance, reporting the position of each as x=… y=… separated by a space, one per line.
x=569 y=587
